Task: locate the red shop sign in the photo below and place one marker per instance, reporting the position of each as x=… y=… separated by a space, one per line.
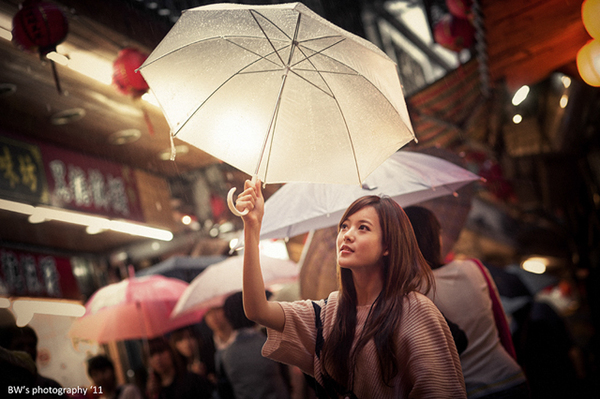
x=92 y=185
x=37 y=275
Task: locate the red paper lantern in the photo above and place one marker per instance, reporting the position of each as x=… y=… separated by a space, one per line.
x=454 y=33
x=460 y=8
x=39 y=26
x=125 y=77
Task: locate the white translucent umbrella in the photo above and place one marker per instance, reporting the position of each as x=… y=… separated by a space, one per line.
x=217 y=281
x=279 y=93
x=407 y=177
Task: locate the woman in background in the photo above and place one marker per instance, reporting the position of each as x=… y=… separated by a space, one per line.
x=168 y=377
x=465 y=293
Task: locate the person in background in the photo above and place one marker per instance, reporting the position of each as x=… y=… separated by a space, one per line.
x=168 y=377
x=101 y=371
x=378 y=336
x=17 y=370
x=25 y=339
x=187 y=345
x=465 y=293
x=223 y=335
x=251 y=375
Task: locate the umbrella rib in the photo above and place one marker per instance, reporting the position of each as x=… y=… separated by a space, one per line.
x=320 y=52
x=265 y=33
x=278 y=103
x=255 y=53
x=340 y=111
x=204 y=102
x=211 y=94
x=204 y=40
x=352 y=69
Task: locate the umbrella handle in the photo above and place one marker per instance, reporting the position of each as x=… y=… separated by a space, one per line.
x=231 y=205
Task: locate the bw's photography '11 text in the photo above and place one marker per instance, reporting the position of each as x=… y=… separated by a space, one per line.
x=33 y=391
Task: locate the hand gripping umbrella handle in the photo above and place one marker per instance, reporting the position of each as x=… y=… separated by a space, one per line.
x=231 y=205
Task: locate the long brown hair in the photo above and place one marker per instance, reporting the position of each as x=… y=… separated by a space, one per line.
x=427 y=230
x=405 y=270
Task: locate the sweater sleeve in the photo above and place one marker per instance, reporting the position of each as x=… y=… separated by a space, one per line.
x=427 y=350
x=295 y=345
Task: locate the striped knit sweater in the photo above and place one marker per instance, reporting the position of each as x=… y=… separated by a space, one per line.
x=429 y=364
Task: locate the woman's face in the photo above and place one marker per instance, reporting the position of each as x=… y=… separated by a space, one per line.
x=215 y=319
x=161 y=361
x=359 y=241
x=187 y=345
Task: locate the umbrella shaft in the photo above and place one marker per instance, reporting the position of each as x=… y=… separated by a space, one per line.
x=271 y=127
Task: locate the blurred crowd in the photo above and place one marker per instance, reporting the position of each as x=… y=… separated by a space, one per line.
x=220 y=357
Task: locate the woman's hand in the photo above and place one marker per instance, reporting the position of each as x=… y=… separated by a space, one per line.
x=252 y=199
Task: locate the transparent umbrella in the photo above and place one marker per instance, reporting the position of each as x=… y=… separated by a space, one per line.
x=407 y=177
x=279 y=93
x=219 y=280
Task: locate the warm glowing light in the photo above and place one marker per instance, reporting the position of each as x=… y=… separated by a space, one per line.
x=58 y=58
x=24 y=309
x=93 y=224
x=517 y=119
x=186 y=219
x=165 y=155
x=6 y=26
x=88 y=64
x=140 y=230
x=520 y=95
x=36 y=218
x=589 y=15
x=16 y=207
x=274 y=249
x=91 y=230
x=566 y=81
x=150 y=98
x=4 y=303
x=535 y=265
x=564 y=100
x=5 y=34
x=588 y=63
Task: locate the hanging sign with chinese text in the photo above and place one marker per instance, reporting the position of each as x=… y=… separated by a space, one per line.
x=91 y=185
x=22 y=172
x=37 y=275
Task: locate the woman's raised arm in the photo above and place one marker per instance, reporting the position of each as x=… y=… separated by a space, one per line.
x=256 y=305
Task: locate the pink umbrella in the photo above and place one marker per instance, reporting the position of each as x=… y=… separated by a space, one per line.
x=135 y=308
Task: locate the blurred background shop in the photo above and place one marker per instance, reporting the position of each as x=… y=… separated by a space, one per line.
x=87 y=187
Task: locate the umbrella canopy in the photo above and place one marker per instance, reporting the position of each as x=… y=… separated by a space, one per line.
x=279 y=93
x=407 y=177
x=215 y=283
x=135 y=308
x=185 y=268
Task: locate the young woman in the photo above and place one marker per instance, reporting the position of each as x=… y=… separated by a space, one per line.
x=377 y=337
x=187 y=344
x=168 y=378
x=465 y=293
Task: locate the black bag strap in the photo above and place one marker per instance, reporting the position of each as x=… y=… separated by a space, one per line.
x=319 y=325
x=332 y=389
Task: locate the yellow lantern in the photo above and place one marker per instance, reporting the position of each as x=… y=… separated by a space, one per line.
x=588 y=63
x=590 y=15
